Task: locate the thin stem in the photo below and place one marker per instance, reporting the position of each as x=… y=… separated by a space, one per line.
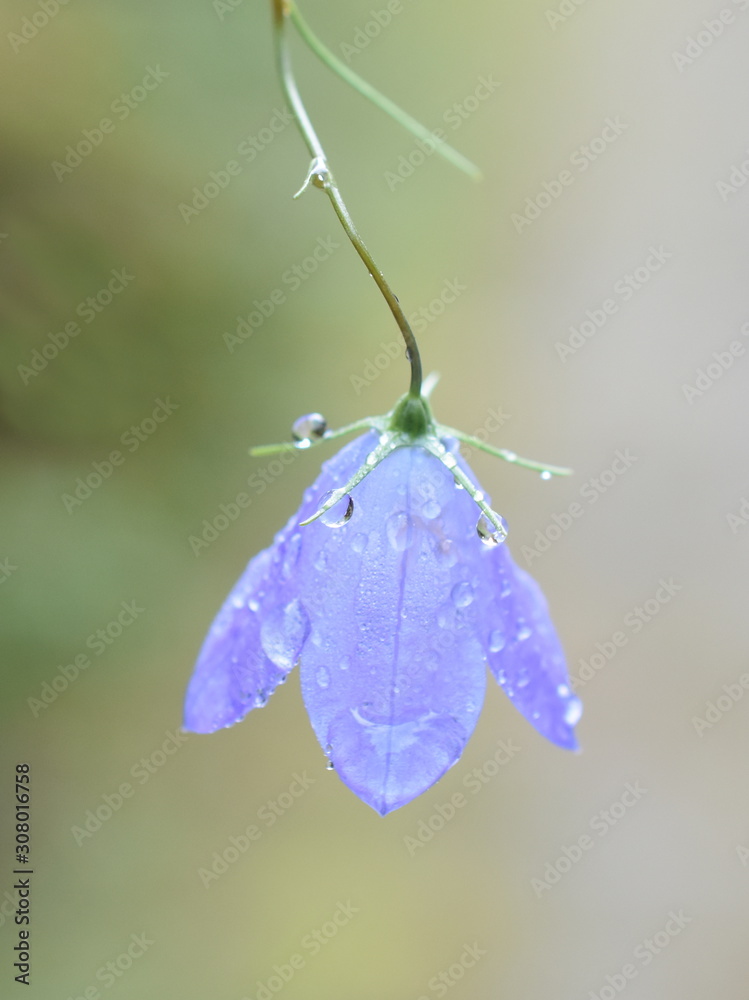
x=369 y=423
x=384 y=103
x=321 y=176
x=503 y=453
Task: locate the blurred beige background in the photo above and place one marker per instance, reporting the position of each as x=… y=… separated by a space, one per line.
x=620 y=871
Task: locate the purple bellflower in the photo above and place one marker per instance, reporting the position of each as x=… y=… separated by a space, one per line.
x=394 y=598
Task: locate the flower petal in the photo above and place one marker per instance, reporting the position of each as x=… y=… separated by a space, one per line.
x=259 y=632
x=393 y=673
x=524 y=652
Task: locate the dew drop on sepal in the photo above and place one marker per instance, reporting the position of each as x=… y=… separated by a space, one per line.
x=311 y=427
x=488 y=533
x=341 y=511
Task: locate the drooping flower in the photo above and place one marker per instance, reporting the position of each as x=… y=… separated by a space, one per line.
x=394 y=600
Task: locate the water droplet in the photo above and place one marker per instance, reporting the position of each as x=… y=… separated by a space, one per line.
x=345 y=662
x=488 y=533
x=449 y=460
x=496 y=640
x=283 y=634
x=253 y=605
x=359 y=543
x=546 y=475
x=291 y=555
x=462 y=595
x=431 y=509
x=573 y=711
x=523 y=633
x=510 y=456
x=523 y=678
x=330 y=766
x=237 y=601
x=400 y=531
x=447 y=552
x=562 y=690
x=261 y=699
x=371 y=458
x=322 y=677
x=431 y=661
x=311 y=427
x=340 y=512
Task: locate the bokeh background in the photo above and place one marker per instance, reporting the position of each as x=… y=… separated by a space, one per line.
x=597 y=923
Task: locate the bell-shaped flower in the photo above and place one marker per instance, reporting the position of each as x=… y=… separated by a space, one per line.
x=394 y=600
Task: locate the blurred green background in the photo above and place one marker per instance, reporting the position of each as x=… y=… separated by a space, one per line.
x=564 y=69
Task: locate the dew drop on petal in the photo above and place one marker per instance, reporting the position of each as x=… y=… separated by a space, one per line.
x=283 y=633
x=253 y=605
x=431 y=661
x=488 y=534
x=546 y=475
x=322 y=677
x=400 y=531
x=496 y=640
x=359 y=543
x=345 y=662
x=311 y=427
x=330 y=766
x=523 y=678
x=447 y=553
x=523 y=633
x=431 y=509
x=462 y=595
x=341 y=511
x=291 y=555
x=573 y=711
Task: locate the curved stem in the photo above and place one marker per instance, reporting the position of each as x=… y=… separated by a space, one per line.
x=321 y=176
x=366 y=89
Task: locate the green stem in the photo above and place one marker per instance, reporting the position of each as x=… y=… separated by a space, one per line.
x=380 y=100
x=503 y=453
x=360 y=425
x=321 y=176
